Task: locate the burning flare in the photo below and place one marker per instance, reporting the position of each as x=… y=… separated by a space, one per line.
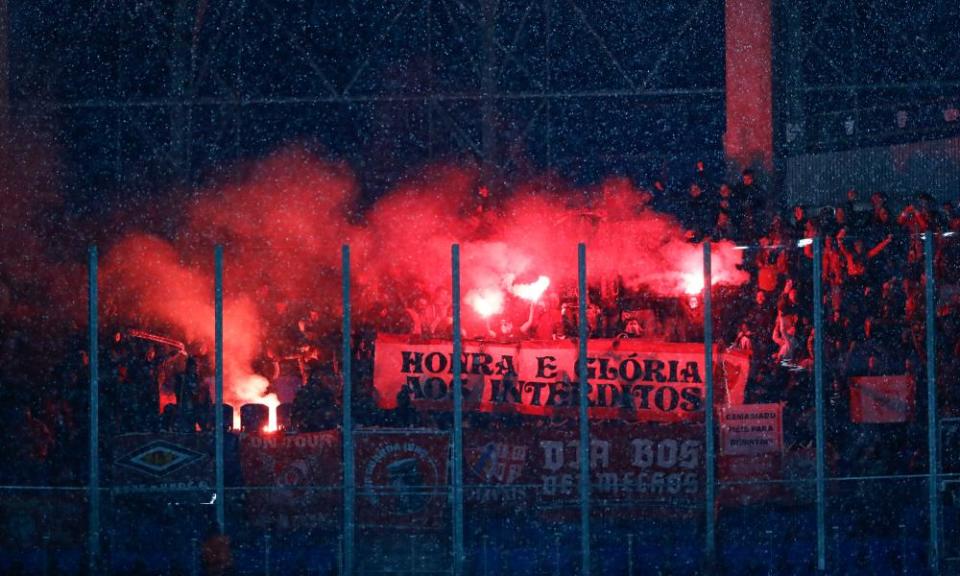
x=532 y=291
x=486 y=301
x=692 y=283
x=252 y=389
x=272 y=402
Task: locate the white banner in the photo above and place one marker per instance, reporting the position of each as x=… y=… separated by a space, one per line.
x=627 y=379
x=751 y=429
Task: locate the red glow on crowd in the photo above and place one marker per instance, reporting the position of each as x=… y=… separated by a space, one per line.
x=283 y=222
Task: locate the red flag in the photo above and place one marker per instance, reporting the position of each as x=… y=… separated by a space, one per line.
x=882 y=399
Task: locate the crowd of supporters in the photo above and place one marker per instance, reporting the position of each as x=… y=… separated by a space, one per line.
x=873 y=303
x=873 y=286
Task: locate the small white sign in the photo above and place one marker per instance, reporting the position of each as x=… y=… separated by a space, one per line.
x=751 y=429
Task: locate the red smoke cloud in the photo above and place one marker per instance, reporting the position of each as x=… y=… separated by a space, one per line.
x=283 y=222
x=148 y=283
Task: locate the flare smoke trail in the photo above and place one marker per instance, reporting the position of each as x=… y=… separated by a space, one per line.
x=283 y=222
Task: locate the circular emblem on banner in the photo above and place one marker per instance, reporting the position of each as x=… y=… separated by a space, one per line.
x=296 y=473
x=401 y=478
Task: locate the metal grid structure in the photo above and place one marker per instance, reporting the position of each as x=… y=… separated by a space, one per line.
x=708 y=546
x=178 y=90
x=860 y=74
x=183 y=89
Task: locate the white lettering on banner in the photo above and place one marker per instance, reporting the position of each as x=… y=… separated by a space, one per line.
x=554 y=458
x=613 y=484
x=667 y=453
x=666 y=466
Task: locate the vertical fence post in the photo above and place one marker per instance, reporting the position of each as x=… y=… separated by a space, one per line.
x=932 y=439
x=556 y=554
x=904 y=548
x=458 y=554
x=412 y=569
x=584 y=422
x=340 y=555
x=47 y=570
x=485 y=546
x=194 y=557
x=711 y=539
x=836 y=543
x=818 y=399
x=349 y=486
x=266 y=554
x=218 y=392
x=93 y=489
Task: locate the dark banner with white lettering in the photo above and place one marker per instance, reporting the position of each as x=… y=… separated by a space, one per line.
x=631 y=466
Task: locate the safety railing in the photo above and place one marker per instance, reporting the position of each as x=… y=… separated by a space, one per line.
x=442 y=431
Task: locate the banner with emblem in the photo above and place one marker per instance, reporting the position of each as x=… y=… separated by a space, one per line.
x=401 y=477
x=162 y=462
x=159 y=481
x=293 y=481
x=631 y=466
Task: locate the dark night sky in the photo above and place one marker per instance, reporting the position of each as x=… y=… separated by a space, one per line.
x=389 y=87
x=386 y=87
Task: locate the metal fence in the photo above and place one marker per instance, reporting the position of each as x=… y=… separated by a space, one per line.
x=837 y=455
